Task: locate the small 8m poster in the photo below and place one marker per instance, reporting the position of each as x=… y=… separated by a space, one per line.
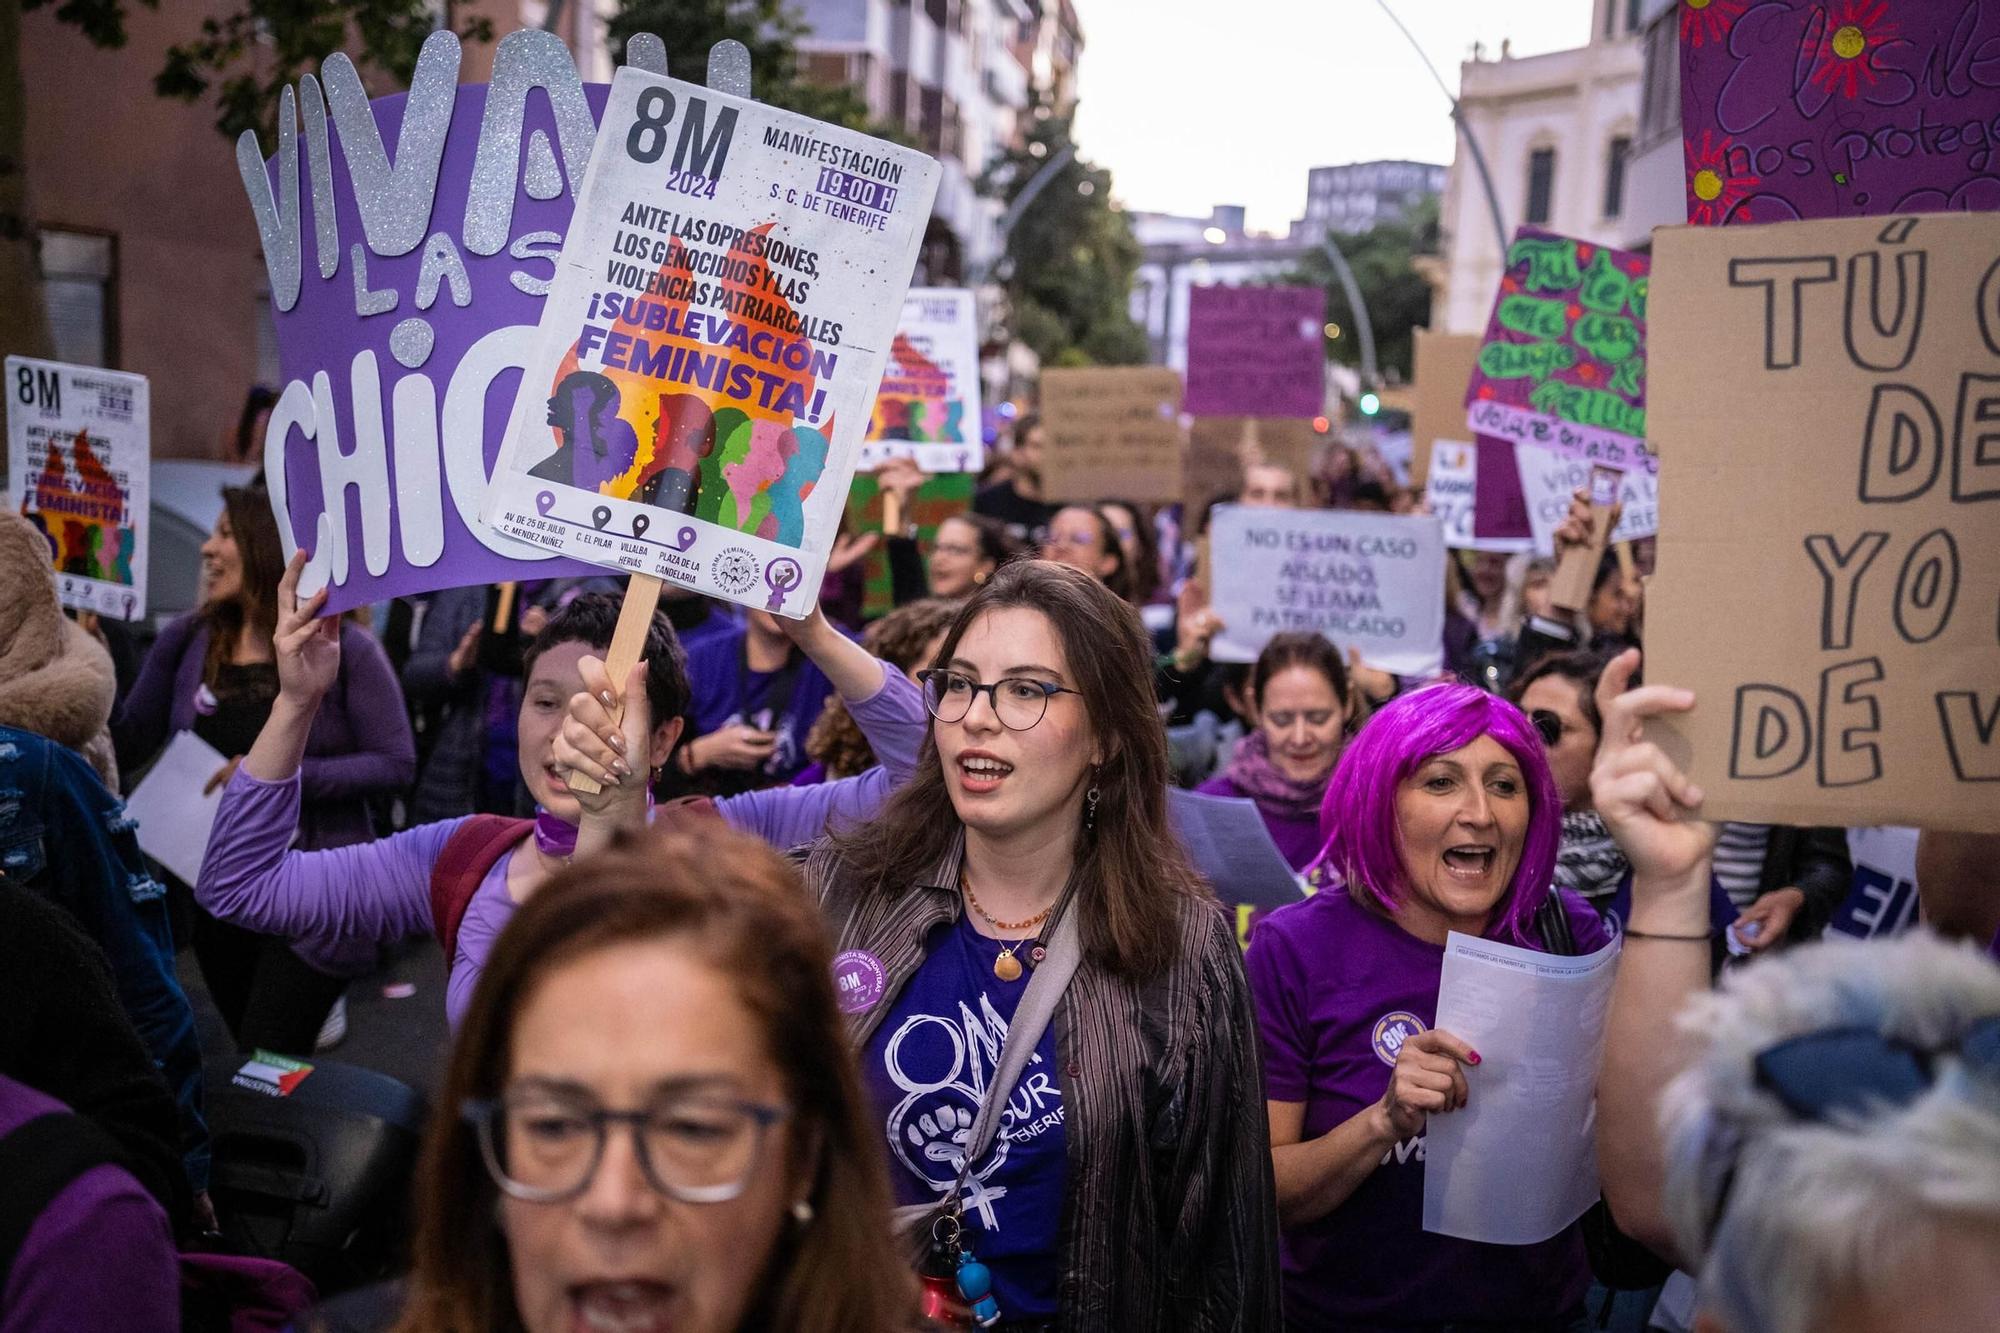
x=79 y=443
x=706 y=362
x=928 y=405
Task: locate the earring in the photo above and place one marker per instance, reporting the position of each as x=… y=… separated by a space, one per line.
x=980 y=577
x=1090 y=800
x=802 y=1212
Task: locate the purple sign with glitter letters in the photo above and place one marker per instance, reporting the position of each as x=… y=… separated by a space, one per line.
x=1839 y=108
x=410 y=242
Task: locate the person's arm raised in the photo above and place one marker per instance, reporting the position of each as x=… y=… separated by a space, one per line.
x=1652 y=809
x=854 y=671
x=308 y=653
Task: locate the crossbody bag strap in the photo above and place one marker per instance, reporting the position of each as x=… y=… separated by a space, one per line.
x=1037 y=1008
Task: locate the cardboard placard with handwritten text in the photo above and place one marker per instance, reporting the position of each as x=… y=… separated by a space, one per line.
x=1112 y=432
x=1826 y=406
x=1219 y=448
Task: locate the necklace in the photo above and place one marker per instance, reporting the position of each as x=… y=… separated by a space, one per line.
x=1006 y=967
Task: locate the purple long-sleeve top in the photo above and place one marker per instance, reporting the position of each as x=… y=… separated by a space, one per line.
x=360 y=746
x=380 y=891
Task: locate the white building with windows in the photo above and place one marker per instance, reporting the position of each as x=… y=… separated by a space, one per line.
x=1558 y=132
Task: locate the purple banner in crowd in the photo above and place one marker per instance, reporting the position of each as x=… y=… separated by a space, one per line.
x=1256 y=352
x=1839 y=108
x=405 y=299
x=1499 y=505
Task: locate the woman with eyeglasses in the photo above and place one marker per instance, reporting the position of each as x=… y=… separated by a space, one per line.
x=651 y=1121
x=964 y=553
x=1026 y=881
x=1082 y=537
x=1442 y=816
x=1820 y=1140
x=1300 y=700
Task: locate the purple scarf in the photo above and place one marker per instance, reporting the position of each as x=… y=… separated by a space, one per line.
x=1253 y=773
x=556 y=838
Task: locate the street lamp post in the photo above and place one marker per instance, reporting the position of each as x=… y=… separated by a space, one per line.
x=1464 y=130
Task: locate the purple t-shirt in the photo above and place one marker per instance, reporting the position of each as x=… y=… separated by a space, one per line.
x=101 y=1255
x=1338 y=989
x=926 y=1067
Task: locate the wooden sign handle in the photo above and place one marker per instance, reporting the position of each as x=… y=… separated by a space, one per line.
x=892 y=513
x=628 y=644
x=503 y=614
x=1570 y=588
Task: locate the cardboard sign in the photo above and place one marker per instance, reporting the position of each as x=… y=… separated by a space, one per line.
x=1444 y=366
x=1548 y=480
x=1219 y=448
x=1450 y=493
x=1808 y=109
x=1256 y=352
x=1563 y=363
x=404 y=299
x=928 y=405
x=1368 y=581
x=703 y=372
x=1113 y=433
x=79 y=444
x=1827 y=405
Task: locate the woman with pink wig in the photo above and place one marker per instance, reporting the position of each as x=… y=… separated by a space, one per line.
x=1443 y=817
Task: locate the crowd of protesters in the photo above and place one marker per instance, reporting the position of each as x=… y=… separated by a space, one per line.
x=872 y=987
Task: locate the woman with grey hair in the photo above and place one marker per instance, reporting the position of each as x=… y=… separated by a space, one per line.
x=1820 y=1140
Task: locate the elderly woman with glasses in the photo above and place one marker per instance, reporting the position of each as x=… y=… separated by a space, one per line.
x=1443 y=816
x=1049 y=1004
x=1820 y=1140
x=651 y=1121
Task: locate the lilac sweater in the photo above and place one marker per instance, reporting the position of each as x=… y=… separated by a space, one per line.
x=380 y=891
x=360 y=744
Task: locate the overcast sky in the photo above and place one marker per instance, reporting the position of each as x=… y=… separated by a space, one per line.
x=1193 y=103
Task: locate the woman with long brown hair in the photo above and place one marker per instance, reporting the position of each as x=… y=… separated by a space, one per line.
x=1050 y=1006
x=214 y=672
x=650 y=1119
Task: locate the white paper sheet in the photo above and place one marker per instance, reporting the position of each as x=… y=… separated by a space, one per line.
x=1518 y=1163
x=1228 y=842
x=174 y=817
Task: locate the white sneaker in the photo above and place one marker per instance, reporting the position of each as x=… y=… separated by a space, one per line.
x=334 y=1030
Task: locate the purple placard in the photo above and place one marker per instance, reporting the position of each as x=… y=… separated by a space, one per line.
x=416 y=356
x=1499 y=505
x=1256 y=352
x=1563 y=363
x=1839 y=108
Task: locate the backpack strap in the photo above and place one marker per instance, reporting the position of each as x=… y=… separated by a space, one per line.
x=472 y=851
x=1552 y=925
x=39 y=1160
x=469 y=855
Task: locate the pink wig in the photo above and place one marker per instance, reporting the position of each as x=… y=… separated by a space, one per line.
x=1358 y=815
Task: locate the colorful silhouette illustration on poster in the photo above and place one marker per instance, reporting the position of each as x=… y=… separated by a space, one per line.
x=597 y=445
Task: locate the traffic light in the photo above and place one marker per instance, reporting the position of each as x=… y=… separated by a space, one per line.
x=1370 y=403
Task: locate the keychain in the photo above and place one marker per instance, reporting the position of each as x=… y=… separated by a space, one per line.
x=975 y=1284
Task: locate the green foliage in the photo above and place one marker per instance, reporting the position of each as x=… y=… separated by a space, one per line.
x=252 y=52
x=1399 y=300
x=771 y=30
x=102 y=21
x=1070 y=257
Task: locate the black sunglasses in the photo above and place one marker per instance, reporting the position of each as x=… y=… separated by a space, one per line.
x=1547 y=725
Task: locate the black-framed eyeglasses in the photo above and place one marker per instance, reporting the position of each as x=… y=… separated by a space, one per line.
x=1018 y=701
x=545 y=1148
x=1548 y=726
